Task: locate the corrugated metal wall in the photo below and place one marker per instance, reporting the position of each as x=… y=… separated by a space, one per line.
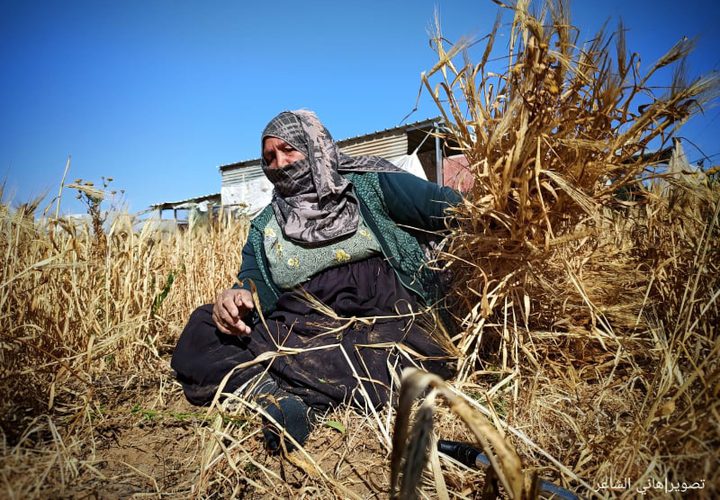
x=238 y=175
x=387 y=147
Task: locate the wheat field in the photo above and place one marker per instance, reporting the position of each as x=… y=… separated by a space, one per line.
x=585 y=287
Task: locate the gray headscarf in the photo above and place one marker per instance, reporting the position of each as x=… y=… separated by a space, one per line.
x=313 y=203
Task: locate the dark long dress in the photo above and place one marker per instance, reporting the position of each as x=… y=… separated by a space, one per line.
x=323 y=377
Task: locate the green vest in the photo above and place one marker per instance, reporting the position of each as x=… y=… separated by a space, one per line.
x=401 y=249
x=291 y=264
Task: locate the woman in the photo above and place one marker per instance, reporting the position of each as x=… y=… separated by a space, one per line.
x=338 y=230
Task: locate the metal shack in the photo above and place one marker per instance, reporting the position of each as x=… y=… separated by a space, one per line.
x=414 y=147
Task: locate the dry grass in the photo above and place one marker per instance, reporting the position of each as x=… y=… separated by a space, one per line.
x=589 y=345
x=592 y=322
x=87 y=333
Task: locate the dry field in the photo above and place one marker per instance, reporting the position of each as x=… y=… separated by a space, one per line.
x=585 y=286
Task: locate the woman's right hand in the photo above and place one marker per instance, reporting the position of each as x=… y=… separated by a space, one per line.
x=229 y=310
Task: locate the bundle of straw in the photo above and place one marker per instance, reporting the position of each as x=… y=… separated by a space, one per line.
x=591 y=318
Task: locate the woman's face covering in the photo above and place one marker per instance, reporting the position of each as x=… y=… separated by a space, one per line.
x=278 y=153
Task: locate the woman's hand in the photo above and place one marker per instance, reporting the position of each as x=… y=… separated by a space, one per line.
x=230 y=308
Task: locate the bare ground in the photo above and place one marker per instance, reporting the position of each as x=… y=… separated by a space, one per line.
x=148 y=442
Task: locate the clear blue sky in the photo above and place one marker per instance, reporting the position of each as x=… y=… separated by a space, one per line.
x=157 y=94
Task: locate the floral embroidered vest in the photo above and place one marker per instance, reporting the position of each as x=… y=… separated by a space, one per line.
x=291 y=264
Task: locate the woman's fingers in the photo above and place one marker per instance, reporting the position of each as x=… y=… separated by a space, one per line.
x=241 y=328
x=244 y=301
x=220 y=323
x=229 y=309
x=224 y=311
x=228 y=305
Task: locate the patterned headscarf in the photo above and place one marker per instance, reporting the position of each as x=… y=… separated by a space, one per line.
x=313 y=203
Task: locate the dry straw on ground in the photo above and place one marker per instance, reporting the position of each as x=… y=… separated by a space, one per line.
x=588 y=340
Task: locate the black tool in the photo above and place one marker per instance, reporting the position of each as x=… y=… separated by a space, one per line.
x=472 y=457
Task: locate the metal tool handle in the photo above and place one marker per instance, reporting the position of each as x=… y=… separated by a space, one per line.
x=470 y=456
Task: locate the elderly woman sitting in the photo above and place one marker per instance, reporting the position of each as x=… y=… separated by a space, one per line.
x=339 y=230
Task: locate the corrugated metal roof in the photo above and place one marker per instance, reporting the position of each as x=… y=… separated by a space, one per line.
x=351 y=142
x=387 y=147
x=388 y=131
x=196 y=199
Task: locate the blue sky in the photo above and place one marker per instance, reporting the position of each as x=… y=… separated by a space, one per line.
x=157 y=94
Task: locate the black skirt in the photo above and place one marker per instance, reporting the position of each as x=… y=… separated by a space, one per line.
x=353 y=349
